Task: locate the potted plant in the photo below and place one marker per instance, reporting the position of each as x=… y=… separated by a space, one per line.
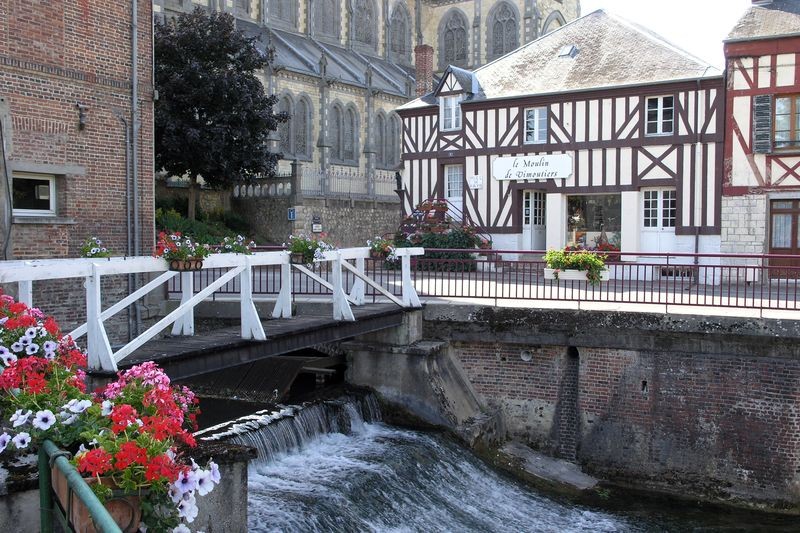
x=379 y=247
x=304 y=249
x=181 y=252
x=125 y=437
x=93 y=247
x=575 y=265
x=237 y=245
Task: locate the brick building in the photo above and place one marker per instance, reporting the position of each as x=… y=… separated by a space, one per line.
x=65 y=108
x=70 y=151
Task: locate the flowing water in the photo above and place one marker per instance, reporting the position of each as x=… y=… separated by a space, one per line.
x=335 y=467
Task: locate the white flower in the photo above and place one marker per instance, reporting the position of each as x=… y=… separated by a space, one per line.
x=21 y=440
x=8 y=358
x=49 y=346
x=30 y=332
x=19 y=417
x=5 y=438
x=142 y=527
x=17 y=347
x=214 y=468
x=175 y=495
x=67 y=418
x=44 y=419
x=181 y=528
x=106 y=408
x=204 y=482
x=42 y=332
x=187 y=509
x=49 y=355
x=81 y=450
x=25 y=341
x=78 y=406
x=3 y=320
x=186 y=482
x=32 y=349
x=94 y=251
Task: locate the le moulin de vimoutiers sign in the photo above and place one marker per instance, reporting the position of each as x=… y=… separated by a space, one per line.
x=532 y=167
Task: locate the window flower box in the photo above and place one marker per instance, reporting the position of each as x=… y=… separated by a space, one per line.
x=573 y=275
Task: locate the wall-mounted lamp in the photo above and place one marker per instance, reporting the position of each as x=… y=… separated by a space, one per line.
x=82 y=109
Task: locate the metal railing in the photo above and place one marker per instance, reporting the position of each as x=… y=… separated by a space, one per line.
x=50 y=456
x=743 y=281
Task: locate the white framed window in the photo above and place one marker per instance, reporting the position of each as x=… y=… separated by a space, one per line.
x=536 y=125
x=660 y=115
x=659 y=208
x=454 y=181
x=33 y=194
x=450 y=111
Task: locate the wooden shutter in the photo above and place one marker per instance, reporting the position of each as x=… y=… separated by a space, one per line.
x=762 y=124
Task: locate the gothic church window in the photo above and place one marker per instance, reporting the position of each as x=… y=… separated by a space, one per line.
x=335 y=133
x=343 y=134
x=399 y=45
x=380 y=141
x=284 y=129
x=365 y=22
x=283 y=11
x=326 y=18
x=453 y=40
x=503 y=33
x=349 y=136
x=393 y=141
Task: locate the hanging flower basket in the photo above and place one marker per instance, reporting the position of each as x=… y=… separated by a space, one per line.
x=186 y=265
x=124 y=508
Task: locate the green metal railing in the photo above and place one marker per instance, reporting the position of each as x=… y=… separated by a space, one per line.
x=50 y=455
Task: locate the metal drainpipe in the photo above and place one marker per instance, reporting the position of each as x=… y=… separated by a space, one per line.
x=129 y=221
x=137 y=244
x=7 y=214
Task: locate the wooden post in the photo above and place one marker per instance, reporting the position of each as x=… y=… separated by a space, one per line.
x=25 y=289
x=357 y=292
x=185 y=324
x=341 y=309
x=251 y=323
x=97 y=345
x=283 y=305
x=410 y=297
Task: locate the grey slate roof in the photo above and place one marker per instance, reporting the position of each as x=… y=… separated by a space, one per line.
x=611 y=52
x=301 y=53
x=779 y=18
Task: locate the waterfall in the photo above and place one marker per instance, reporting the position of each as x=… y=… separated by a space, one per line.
x=290 y=427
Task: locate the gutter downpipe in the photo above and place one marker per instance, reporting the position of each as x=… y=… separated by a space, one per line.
x=129 y=221
x=137 y=244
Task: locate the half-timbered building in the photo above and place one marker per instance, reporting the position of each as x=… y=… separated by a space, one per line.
x=761 y=191
x=598 y=132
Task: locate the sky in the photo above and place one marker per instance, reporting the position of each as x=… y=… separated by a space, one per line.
x=697 y=26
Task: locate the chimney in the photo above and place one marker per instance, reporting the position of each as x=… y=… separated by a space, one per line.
x=423 y=64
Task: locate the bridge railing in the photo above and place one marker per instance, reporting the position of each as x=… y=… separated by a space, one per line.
x=744 y=281
x=227 y=269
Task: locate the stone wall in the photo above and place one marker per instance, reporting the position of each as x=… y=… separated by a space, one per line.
x=707 y=407
x=744 y=224
x=346 y=223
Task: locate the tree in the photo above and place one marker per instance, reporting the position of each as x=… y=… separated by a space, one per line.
x=212 y=116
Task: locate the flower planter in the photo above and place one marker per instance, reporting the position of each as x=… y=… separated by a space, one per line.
x=124 y=508
x=298 y=258
x=377 y=254
x=185 y=265
x=572 y=275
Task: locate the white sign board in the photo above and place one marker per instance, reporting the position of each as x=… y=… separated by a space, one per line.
x=532 y=167
x=475 y=182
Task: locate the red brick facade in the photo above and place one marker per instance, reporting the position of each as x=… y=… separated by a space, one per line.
x=726 y=425
x=55 y=54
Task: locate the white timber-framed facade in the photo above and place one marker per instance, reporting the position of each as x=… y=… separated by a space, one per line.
x=631 y=152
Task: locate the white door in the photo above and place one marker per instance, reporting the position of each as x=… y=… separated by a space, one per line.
x=454 y=190
x=659 y=210
x=533 y=226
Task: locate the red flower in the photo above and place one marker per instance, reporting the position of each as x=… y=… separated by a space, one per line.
x=17 y=307
x=51 y=326
x=35 y=383
x=128 y=454
x=161 y=466
x=122 y=416
x=95 y=462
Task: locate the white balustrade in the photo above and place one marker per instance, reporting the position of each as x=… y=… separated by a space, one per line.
x=101 y=355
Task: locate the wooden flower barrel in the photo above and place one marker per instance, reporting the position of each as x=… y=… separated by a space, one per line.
x=298 y=258
x=186 y=265
x=377 y=254
x=125 y=509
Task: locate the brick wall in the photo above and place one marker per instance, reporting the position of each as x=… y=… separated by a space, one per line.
x=719 y=426
x=54 y=55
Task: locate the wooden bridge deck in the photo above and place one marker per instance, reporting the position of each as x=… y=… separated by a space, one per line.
x=187 y=356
